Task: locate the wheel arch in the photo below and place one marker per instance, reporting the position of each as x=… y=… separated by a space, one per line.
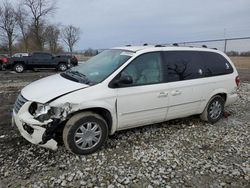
x=221 y=92
x=62 y=62
x=18 y=62
x=223 y=95
x=103 y=112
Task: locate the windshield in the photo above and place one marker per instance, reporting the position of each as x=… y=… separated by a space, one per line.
x=99 y=67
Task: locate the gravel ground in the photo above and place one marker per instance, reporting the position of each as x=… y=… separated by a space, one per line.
x=180 y=153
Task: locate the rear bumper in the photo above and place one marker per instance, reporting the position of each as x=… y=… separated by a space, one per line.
x=23 y=120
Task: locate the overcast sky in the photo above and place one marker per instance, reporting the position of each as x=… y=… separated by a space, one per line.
x=109 y=23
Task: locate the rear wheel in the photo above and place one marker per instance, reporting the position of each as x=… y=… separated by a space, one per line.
x=19 y=67
x=85 y=133
x=62 y=67
x=214 y=109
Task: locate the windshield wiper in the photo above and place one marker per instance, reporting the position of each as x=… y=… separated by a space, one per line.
x=76 y=73
x=82 y=76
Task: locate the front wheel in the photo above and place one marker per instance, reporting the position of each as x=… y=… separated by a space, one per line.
x=214 y=109
x=85 y=133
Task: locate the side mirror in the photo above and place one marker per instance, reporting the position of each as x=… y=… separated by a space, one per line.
x=121 y=82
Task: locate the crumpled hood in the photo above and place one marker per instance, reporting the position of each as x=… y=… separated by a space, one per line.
x=48 y=88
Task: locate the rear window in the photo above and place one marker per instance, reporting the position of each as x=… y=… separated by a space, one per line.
x=215 y=64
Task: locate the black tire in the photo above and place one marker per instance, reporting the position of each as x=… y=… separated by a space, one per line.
x=19 y=67
x=62 y=67
x=76 y=126
x=214 y=109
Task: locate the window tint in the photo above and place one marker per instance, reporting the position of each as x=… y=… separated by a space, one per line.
x=182 y=65
x=215 y=64
x=145 y=69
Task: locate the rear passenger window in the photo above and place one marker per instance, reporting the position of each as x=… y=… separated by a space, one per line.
x=215 y=64
x=182 y=65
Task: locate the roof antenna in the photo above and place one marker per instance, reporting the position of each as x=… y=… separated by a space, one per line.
x=175 y=44
x=128 y=45
x=145 y=44
x=204 y=46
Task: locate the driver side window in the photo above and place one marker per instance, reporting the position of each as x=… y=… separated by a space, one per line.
x=145 y=69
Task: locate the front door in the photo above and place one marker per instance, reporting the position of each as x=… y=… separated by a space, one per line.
x=145 y=100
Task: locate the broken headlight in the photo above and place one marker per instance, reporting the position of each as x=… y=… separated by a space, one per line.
x=41 y=112
x=44 y=112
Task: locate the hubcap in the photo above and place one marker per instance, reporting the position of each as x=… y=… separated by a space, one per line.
x=63 y=67
x=215 y=110
x=19 y=68
x=88 y=135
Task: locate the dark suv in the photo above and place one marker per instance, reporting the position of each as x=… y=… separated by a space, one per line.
x=40 y=60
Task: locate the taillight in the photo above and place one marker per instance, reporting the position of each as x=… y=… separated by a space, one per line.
x=237 y=81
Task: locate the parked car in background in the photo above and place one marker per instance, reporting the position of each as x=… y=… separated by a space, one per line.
x=40 y=60
x=73 y=59
x=4 y=62
x=20 y=55
x=123 y=88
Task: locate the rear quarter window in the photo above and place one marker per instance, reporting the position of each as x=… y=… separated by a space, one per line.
x=215 y=64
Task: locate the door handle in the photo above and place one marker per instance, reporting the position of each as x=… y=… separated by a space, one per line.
x=176 y=92
x=162 y=94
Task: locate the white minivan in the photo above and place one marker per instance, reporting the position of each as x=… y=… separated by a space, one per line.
x=122 y=88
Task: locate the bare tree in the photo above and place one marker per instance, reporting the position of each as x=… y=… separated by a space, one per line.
x=22 y=18
x=52 y=34
x=39 y=10
x=8 y=24
x=70 y=35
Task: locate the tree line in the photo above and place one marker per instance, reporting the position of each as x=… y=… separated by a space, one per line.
x=25 y=27
x=235 y=53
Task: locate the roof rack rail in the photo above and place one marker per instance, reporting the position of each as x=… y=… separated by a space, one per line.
x=204 y=46
x=215 y=48
x=175 y=44
x=159 y=45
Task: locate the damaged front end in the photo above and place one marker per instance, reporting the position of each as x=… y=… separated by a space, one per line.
x=38 y=122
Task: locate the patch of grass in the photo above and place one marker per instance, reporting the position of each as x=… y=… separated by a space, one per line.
x=241 y=62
